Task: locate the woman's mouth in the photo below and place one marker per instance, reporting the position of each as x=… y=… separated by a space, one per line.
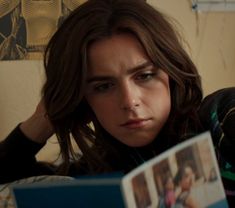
x=135 y=123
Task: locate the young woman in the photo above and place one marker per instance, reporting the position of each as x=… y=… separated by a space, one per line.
x=119 y=83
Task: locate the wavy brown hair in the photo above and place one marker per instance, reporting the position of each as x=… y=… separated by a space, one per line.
x=66 y=65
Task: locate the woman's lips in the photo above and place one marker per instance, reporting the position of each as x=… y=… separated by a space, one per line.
x=135 y=123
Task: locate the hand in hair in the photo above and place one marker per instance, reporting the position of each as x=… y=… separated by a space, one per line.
x=38 y=127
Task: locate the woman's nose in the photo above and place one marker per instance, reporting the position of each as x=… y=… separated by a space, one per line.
x=129 y=98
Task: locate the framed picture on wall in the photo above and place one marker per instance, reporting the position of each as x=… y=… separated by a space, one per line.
x=27 y=25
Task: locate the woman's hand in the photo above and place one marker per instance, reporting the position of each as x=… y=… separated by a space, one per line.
x=37 y=127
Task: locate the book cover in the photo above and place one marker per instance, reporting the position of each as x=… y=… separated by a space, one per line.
x=186 y=173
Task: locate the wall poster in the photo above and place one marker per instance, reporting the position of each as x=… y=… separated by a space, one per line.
x=27 y=25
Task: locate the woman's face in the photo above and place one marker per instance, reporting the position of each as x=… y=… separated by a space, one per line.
x=128 y=94
x=187 y=179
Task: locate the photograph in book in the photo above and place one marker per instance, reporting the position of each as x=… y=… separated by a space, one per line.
x=182 y=176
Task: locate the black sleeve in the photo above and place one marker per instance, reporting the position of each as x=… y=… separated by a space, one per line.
x=217 y=114
x=17 y=158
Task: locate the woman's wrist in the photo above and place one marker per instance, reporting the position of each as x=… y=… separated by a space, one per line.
x=37 y=128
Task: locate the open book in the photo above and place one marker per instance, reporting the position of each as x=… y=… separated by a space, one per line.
x=185 y=173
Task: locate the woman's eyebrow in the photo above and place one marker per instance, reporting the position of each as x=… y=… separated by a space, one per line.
x=141 y=66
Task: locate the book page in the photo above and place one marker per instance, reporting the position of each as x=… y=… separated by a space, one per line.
x=184 y=175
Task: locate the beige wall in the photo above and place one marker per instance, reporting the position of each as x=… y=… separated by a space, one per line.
x=210 y=35
x=211 y=39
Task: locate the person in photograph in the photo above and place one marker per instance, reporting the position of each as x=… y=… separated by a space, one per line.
x=168 y=197
x=169 y=192
x=184 y=179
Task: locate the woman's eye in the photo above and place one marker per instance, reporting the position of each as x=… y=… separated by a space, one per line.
x=146 y=76
x=103 y=87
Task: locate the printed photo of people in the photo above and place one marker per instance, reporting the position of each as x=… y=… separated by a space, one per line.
x=185 y=176
x=27 y=25
x=188 y=179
